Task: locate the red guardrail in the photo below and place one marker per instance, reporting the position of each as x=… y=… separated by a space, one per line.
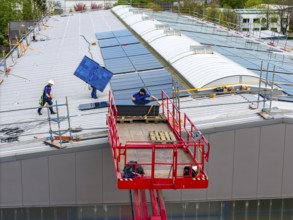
x=190 y=140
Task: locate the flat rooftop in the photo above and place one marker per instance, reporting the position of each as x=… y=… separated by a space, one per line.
x=57 y=53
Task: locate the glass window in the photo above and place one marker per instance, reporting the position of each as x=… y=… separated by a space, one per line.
x=245 y=20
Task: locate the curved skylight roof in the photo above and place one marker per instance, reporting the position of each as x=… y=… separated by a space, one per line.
x=197 y=63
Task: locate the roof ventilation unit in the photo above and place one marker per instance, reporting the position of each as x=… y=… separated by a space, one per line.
x=172 y=33
x=135 y=11
x=162 y=27
x=147 y=18
x=201 y=49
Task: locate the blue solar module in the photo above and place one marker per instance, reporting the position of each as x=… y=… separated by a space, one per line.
x=286 y=99
x=93 y=74
x=158 y=77
x=126 y=81
x=127 y=40
x=104 y=35
x=124 y=86
x=124 y=94
x=145 y=62
x=112 y=52
x=109 y=42
x=287 y=89
x=122 y=33
x=135 y=49
x=119 y=65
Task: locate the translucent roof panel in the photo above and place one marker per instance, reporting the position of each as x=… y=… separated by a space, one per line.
x=197 y=63
x=148 y=26
x=202 y=69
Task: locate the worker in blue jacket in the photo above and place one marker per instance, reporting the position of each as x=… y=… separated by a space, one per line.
x=47 y=97
x=142 y=96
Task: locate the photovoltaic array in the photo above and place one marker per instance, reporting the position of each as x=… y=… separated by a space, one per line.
x=133 y=66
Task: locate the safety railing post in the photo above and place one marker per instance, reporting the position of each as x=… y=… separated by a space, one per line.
x=68 y=118
x=153 y=162
x=58 y=122
x=163 y=108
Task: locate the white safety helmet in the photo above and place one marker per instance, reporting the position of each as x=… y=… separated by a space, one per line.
x=51 y=82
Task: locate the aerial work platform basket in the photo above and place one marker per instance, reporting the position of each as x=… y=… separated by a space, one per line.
x=164 y=151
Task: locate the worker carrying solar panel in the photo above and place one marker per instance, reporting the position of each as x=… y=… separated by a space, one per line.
x=142 y=97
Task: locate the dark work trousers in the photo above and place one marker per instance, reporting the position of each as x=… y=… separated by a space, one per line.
x=49 y=101
x=94 y=93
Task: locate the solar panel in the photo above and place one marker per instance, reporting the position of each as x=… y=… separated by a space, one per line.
x=122 y=33
x=286 y=99
x=145 y=62
x=94 y=74
x=112 y=52
x=127 y=40
x=287 y=89
x=154 y=73
x=109 y=42
x=124 y=94
x=104 y=35
x=119 y=65
x=135 y=49
x=95 y=105
x=249 y=57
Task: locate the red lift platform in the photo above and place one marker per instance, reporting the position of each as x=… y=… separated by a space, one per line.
x=164 y=162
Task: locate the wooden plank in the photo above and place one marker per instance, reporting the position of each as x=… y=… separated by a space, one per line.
x=167 y=136
x=162 y=136
x=152 y=136
x=55 y=144
x=157 y=136
x=172 y=136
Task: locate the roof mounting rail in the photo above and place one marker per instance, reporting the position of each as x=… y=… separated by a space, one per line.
x=172 y=33
x=201 y=49
x=162 y=27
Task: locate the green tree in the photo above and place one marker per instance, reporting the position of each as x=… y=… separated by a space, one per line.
x=253 y=3
x=232 y=3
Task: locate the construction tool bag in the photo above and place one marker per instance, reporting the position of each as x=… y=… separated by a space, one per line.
x=131 y=170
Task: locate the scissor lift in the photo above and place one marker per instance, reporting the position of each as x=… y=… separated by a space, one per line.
x=163 y=162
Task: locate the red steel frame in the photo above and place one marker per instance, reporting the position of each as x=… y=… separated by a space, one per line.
x=189 y=139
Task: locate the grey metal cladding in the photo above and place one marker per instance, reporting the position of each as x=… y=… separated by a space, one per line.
x=35 y=181
x=88 y=179
x=221 y=166
x=287 y=189
x=11 y=184
x=245 y=166
x=62 y=179
x=271 y=157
